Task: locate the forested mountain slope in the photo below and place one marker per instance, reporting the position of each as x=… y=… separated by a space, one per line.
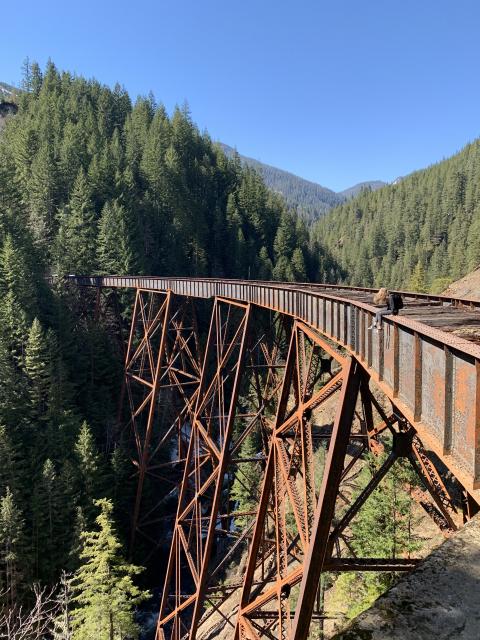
x=309 y=199
x=421 y=233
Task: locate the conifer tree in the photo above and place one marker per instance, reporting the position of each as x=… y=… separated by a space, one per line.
x=105 y=595
x=417 y=279
x=116 y=232
x=247 y=481
x=12 y=555
x=284 y=243
x=298 y=265
x=42 y=196
x=89 y=467
x=38 y=369
x=48 y=541
x=13 y=401
x=76 y=247
x=8 y=460
x=76 y=544
x=18 y=298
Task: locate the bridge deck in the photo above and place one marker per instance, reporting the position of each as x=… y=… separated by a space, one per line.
x=426 y=360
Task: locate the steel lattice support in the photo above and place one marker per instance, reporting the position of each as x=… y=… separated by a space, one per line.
x=192 y=414
x=205 y=468
x=162 y=375
x=288 y=492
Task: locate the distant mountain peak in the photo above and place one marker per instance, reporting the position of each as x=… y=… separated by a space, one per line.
x=369 y=185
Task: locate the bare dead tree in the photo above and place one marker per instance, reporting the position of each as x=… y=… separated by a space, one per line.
x=41 y=620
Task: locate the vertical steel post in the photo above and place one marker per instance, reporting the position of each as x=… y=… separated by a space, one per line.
x=326 y=502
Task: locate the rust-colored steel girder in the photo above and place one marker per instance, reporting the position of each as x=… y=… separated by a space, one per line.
x=204 y=472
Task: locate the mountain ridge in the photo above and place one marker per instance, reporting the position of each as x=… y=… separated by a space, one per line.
x=310 y=198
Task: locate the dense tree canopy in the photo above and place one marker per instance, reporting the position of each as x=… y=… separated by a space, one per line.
x=422 y=232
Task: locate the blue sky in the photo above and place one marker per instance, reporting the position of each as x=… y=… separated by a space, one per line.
x=337 y=92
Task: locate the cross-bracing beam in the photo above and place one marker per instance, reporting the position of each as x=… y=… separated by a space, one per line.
x=271 y=382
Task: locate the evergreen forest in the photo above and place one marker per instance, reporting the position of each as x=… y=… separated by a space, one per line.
x=419 y=234
x=93 y=183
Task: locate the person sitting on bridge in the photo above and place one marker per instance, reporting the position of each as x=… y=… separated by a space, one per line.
x=393 y=301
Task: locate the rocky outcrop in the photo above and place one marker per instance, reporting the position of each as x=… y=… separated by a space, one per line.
x=440 y=600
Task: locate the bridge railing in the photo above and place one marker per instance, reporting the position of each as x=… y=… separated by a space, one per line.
x=432 y=376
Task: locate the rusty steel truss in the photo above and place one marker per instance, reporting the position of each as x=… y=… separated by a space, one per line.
x=268 y=406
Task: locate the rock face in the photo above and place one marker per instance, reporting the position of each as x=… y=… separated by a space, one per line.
x=438 y=601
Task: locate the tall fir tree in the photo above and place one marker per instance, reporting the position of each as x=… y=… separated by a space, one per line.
x=76 y=244
x=13 y=559
x=105 y=596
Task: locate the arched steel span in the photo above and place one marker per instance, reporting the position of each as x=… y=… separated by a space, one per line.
x=320 y=346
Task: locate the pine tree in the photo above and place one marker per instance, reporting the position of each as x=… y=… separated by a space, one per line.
x=284 y=243
x=38 y=369
x=116 y=234
x=8 y=462
x=42 y=196
x=105 y=596
x=13 y=400
x=417 y=279
x=47 y=542
x=88 y=466
x=265 y=268
x=298 y=265
x=18 y=297
x=76 y=247
x=247 y=481
x=12 y=556
x=76 y=544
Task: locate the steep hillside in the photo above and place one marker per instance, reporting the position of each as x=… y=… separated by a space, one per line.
x=7 y=91
x=422 y=232
x=310 y=198
x=466 y=287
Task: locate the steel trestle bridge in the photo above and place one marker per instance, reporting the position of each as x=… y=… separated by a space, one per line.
x=294 y=369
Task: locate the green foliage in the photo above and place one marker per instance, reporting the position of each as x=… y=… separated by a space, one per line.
x=89 y=467
x=84 y=162
x=37 y=368
x=417 y=279
x=311 y=200
x=76 y=242
x=383 y=528
x=13 y=563
x=105 y=596
x=424 y=230
x=246 y=485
